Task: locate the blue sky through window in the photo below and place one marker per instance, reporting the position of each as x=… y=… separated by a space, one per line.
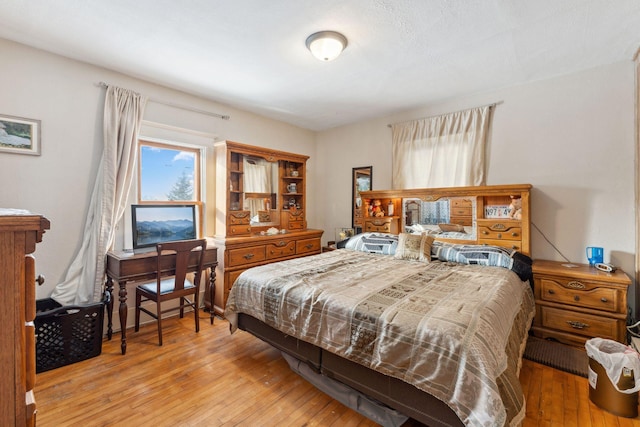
x=161 y=168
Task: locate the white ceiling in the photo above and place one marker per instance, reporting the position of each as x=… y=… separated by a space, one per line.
x=402 y=54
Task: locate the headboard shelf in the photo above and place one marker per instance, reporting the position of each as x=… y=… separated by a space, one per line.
x=483 y=211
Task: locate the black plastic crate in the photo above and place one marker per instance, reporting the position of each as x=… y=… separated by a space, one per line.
x=69 y=334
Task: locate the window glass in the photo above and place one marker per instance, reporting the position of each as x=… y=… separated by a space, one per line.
x=168 y=173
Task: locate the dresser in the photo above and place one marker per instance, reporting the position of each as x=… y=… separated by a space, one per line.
x=241 y=253
x=258 y=190
x=19 y=233
x=575 y=302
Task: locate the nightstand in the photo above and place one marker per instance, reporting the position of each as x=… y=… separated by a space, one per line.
x=575 y=302
x=331 y=246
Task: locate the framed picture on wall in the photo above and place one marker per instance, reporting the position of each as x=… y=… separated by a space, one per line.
x=361 y=181
x=19 y=135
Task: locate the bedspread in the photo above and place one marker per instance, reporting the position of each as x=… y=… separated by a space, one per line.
x=455 y=331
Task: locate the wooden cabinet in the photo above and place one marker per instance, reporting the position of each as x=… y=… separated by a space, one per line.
x=241 y=253
x=385 y=224
x=483 y=211
x=19 y=233
x=246 y=210
x=575 y=302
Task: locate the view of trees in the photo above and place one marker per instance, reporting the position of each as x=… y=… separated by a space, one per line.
x=182 y=189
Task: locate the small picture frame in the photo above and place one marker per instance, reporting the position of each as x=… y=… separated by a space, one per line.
x=19 y=135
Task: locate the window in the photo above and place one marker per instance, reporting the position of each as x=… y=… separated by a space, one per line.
x=169 y=174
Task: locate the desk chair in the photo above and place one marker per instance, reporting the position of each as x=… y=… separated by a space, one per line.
x=178 y=286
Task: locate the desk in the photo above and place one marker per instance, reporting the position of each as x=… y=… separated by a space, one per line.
x=124 y=267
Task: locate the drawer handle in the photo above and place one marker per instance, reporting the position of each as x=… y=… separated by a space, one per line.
x=577 y=325
x=499 y=235
x=514 y=234
x=575 y=285
x=603 y=299
x=248 y=256
x=576 y=298
x=551 y=291
x=485 y=232
x=309 y=246
x=40 y=279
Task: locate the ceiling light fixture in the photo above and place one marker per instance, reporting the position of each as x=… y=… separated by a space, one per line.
x=326 y=45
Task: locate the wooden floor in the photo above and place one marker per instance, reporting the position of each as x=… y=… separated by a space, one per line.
x=216 y=379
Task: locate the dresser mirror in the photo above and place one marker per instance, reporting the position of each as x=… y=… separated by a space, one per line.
x=453 y=216
x=260 y=190
x=361 y=181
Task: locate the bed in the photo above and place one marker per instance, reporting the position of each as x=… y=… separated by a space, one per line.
x=433 y=330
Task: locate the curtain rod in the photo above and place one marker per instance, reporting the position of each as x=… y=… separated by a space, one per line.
x=444 y=114
x=182 y=107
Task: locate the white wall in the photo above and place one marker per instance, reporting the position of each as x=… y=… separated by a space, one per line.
x=571 y=137
x=63 y=94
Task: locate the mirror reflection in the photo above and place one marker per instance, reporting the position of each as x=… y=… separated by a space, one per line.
x=450 y=218
x=361 y=181
x=260 y=188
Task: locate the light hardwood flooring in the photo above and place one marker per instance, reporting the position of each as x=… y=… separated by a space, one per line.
x=213 y=378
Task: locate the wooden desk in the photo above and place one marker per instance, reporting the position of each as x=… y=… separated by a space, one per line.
x=125 y=267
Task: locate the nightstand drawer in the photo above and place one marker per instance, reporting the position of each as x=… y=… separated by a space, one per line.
x=579 y=294
x=579 y=323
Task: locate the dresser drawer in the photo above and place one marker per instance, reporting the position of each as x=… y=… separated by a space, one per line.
x=573 y=292
x=461 y=211
x=579 y=323
x=296 y=225
x=232 y=276
x=509 y=244
x=281 y=249
x=385 y=228
x=239 y=218
x=307 y=246
x=382 y=225
x=499 y=231
x=238 y=230
x=243 y=256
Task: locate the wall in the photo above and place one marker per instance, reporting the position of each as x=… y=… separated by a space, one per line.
x=63 y=94
x=571 y=137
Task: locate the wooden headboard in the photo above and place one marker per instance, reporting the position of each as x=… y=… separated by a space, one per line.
x=482 y=208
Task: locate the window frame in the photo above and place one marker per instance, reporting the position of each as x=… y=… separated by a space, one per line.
x=198 y=179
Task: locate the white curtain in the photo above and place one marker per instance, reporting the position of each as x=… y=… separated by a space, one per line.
x=257 y=176
x=84 y=282
x=442 y=151
x=257 y=179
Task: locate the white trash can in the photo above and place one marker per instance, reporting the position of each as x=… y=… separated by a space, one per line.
x=614 y=376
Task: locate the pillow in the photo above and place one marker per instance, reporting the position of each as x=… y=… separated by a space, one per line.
x=451 y=227
x=377 y=243
x=414 y=247
x=494 y=256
